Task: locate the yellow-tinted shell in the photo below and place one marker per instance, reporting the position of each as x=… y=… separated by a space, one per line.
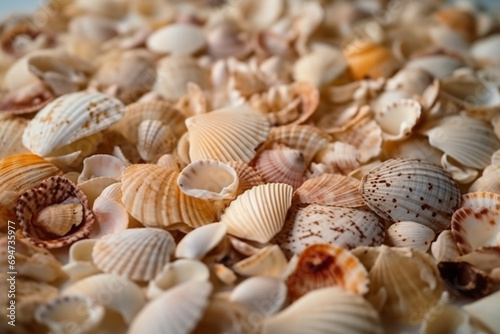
x=367 y=59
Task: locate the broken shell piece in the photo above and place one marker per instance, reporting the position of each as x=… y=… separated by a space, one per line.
x=323 y=265
x=80 y=263
x=398 y=119
x=445 y=249
x=177 y=39
x=54 y=197
x=99 y=165
x=485 y=310
x=70 y=314
x=465 y=280
x=410 y=234
x=268 y=261
x=111 y=217
x=200 y=241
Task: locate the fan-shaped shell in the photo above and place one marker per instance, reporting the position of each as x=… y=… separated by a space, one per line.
x=138 y=254
x=151 y=195
x=226 y=134
x=397 y=120
x=69 y=118
x=337 y=226
x=259 y=213
x=481 y=199
x=409 y=234
x=200 y=241
x=177 y=39
x=411 y=190
x=339 y=157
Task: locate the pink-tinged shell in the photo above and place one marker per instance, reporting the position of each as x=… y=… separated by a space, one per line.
x=54 y=190
x=323 y=265
x=111 y=217
x=330 y=189
x=337 y=226
x=281 y=164
x=25 y=100
x=479 y=200
x=411 y=190
x=247 y=176
x=138 y=254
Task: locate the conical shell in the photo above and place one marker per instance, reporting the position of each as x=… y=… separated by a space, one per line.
x=330 y=189
x=151 y=195
x=409 y=234
x=269 y=261
x=11 y=130
x=398 y=119
x=176 y=311
x=337 y=226
x=200 y=241
x=328 y=310
x=411 y=190
x=69 y=118
x=226 y=134
x=99 y=165
x=177 y=39
x=259 y=213
x=323 y=265
x=55 y=190
x=138 y=254
x=404 y=283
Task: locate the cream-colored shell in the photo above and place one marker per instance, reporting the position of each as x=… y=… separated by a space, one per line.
x=444 y=249
x=268 y=261
x=200 y=241
x=177 y=39
x=409 y=234
x=110 y=217
x=11 y=130
x=99 y=165
x=80 y=263
x=398 y=119
x=485 y=310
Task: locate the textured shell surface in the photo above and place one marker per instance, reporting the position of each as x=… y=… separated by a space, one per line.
x=99 y=165
x=247 y=176
x=481 y=199
x=11 y=130
x=337 y=226
x=111 y=216
x=445 y=247
x=367 y=59
x=69 y=118
x=411 y=190
x=409 y=234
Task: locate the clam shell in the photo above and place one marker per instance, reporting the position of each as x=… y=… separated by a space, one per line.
x=138 y=254
x=327 y=310
x=337 y=226
x=404 y=282
x=169 y=161
x=69 y=118
x=486 y=96
x=409 y=234
x=176 y=311
x=259 y=213
x=367 y=59
x=80 y=263
x=92 y=188
x=151 y=195
x=11 y=130
x=177 y=39
x=268 y=261
x=53 y=191
x=329 y=189
x=100 y=165
x=411 y=190
x=413 y=81
x=398 y=120
x=70 y=314
x=323 y=265
x=226 y=134
x=197 y=243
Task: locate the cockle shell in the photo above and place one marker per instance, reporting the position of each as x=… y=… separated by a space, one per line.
x=323 y=265
x=337 y=226
x=268 y=261
x=56 y=193
x=488 y=182
x=11 y=130
x=175 y=311
x=177 y=39
x=367 y=59
x=226 y=134
x=80 y=263
x=330 y=189
x=411 y=190
x=169 y=161
x=409 y=234
x=398 y=120
x=260 y=14
x=247 y=176
x=200 y=241
x=151 y=195
x=327 y=310
x=138 y=254
x=59 y=219
x=101 y=165
x=69 y=118
x=70 y=314
x=404 y=282
x=259 y=213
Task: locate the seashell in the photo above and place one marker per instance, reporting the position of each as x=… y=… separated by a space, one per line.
x=484 y=259
x=258 y=15
x=177 y=39
x=488 y=182
x=154 y=139
x=92 y=29
x=411 y=190
x=340 y=157
x=412 y=81
x=99 y=165
x=224 y=274
x=114 y=292
x=459 y=173
x=484 y=310
x=80 y=263
x=281 y=164
x=415 y=147
x=247 y=176
x=264 y=209
x=323 y=265
x=268 y=261
x=177 y=273
x=444 y=249
x=219 y=318
x=108 y=8
x=138 y=254
x=69 y=118
x=60 y=317
x=486 y=96
x=465 y=280
x=367 y=59
x=111 y=217
x=226 y=134
x=113 y=192
x=458 y=20
x=404 y=282
x=337 y=226
x=35 y=213
x=246 y=248
x=208 y=179
x=398 y=120
x=330 y=189
x=439 y=66
x=409 y=234
x=92 y=188
x=197 y=243
x=175 y=311
x=169 y=161
x=25 y=100
x=151 y=195
x=173 y=73
x=326 y=310
x=22 y=38
x=11 y=130
x=485 y=50
x=224 y=40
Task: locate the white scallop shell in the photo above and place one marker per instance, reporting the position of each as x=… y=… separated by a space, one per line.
x=200 y=241
x=177 y=39
x=99 y=165
x=409 y=234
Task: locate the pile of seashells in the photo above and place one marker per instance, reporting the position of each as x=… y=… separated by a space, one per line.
x=251 y=166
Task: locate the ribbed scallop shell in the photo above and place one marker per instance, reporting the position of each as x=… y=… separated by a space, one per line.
x=226 y=134
x=397 y=120
x=479 y=200
x=328 y=310
x=330 y=189
x=138 y=254
x=337 y=226
x=340 y=157
x=409 y=234
x=151 y=195
x=411 y=190
x=69 y=118
x=259 y=213
x=404 y=283
x=323 y=265
x=52 y=191
x=11 y=130
x=247 y=176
